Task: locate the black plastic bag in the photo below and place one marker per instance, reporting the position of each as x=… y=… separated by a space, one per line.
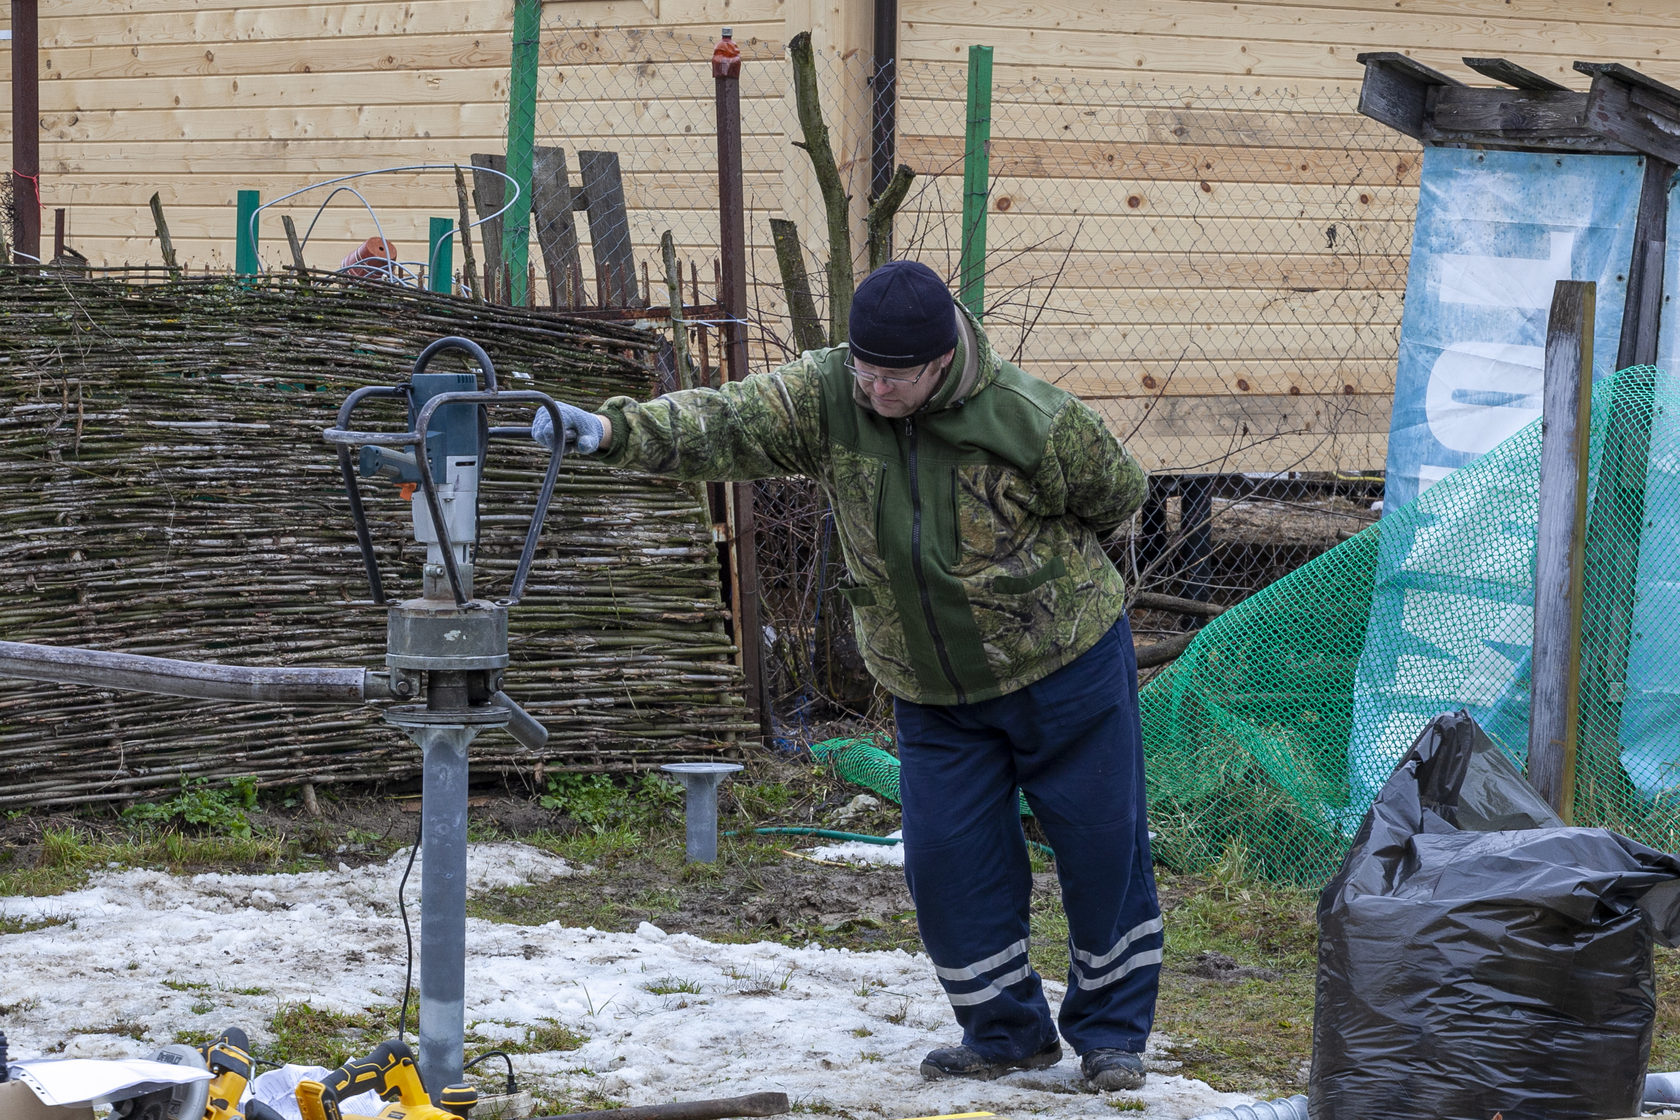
x=1466 y=973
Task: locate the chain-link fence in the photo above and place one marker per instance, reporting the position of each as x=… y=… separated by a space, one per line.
x=1219 y=272
x=8 y=232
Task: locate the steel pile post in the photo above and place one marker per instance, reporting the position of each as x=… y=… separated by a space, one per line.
x=732 y=296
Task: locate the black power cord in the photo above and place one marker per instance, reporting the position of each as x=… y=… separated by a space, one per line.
x=511 y=1087
x=408 y=934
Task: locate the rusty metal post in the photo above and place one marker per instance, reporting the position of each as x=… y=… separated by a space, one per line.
x=26 y=131
x=732 y=295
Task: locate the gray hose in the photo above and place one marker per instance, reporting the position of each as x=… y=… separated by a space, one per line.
x=1289 y=1108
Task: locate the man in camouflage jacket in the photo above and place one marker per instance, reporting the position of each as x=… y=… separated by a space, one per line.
x=971 y=502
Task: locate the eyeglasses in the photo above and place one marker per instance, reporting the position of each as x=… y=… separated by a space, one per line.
x=866 y=378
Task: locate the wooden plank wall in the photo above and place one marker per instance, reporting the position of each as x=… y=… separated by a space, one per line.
x=1204 y=236
x=200 y=100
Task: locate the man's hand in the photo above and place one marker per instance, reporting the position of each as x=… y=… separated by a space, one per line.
x=584 y=430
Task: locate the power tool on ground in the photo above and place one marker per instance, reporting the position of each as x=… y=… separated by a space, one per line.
x=391 y=1073
x=230 y=1065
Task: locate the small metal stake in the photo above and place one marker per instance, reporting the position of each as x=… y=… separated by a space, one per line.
x=700 y=783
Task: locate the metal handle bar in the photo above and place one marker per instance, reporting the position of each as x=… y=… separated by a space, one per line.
x=466 y=346
x=167 y=676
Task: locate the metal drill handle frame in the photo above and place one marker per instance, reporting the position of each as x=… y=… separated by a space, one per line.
x=347 y=469
x=347 y=437
x=429 y=488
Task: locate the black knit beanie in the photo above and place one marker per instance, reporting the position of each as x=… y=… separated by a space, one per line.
x=902 y=316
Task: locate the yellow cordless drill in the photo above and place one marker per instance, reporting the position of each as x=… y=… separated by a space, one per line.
x=390 y=1072
x=229 y=1061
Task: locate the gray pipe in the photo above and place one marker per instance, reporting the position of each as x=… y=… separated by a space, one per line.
x=1661 y=1089
x=135 y=673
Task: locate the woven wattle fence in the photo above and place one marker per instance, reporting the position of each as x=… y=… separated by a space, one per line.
x=165 y=490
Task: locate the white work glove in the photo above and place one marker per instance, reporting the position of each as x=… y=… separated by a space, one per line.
x=583 y=429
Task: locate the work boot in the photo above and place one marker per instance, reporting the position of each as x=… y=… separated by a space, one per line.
x=960 y=1061
x=1108 y=1070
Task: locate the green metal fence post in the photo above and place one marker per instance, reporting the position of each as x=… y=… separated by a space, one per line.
x=976 y=174
x=521 y=139
x=245 y=237
x=440 y=256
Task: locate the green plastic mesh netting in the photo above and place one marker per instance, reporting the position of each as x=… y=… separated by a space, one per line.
x=865 y=762
x=1268 y=737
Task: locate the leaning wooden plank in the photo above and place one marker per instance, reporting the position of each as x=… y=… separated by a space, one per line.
x=489 y=196
x=551 y=189
x=609 y=230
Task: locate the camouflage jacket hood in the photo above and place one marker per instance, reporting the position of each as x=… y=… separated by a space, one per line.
x=972 y=530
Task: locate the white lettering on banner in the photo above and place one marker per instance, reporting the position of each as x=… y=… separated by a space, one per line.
x=1464 y=627
x=1523 y=282
x=1481 y=392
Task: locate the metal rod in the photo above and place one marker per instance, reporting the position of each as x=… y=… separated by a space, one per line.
x=732 y=295
x=202 y=680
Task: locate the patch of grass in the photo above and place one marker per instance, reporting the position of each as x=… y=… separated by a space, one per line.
x=1249 y=1035
x=673 y=985
x=186 y=985
x=69 y=854
x=26 y=925
x=305 y=1034
x=1128 y=1104
x=583 y=1100
x=552 y=1035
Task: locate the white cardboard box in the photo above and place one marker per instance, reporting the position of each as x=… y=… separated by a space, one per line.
x=19 y=1102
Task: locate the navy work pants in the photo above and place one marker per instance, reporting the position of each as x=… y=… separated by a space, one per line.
x=1072 y=742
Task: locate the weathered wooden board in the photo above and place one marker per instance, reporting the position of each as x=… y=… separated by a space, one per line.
x=1197 y=376
x=251 y=23
x=1136 y=122
x=1072 y=159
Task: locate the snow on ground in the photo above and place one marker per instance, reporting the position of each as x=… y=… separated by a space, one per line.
x=668 y=1016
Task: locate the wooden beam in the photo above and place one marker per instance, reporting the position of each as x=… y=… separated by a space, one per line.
x=1396 y=90
x=1554 y=711
x=1555 y=120
x=1638 y=111
x=1508 y=72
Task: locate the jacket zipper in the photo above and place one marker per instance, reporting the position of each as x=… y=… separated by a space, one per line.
x=917 y=567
